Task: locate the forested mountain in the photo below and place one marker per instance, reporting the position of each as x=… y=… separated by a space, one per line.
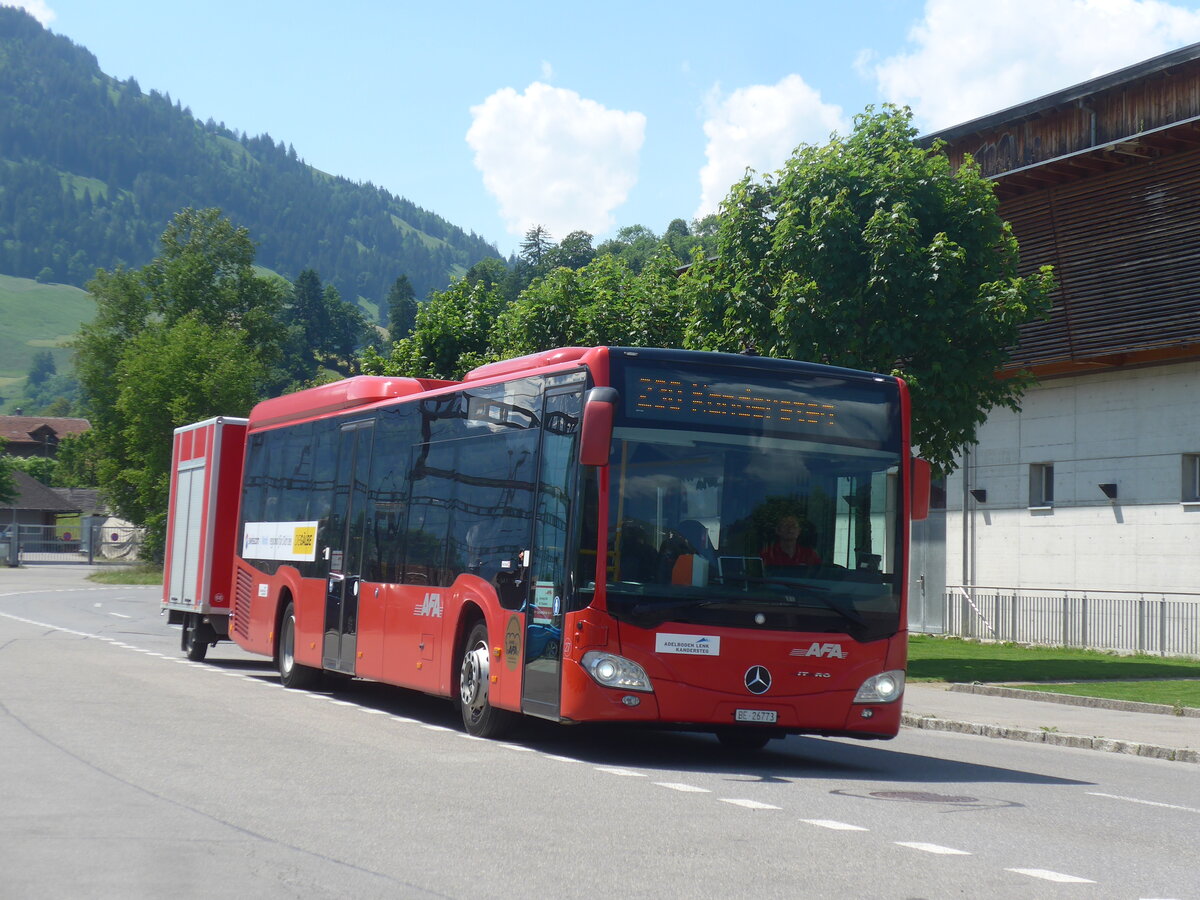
x=92 y=169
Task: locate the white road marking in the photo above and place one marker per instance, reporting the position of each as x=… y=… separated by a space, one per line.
x=617 y=770
x=748 y=804
x=405 y=719
x=516 y=747
x=685 y=788
x=555 y=756
x=119 y=615
x=835 y=826
x=436 y=728
x=1143 y=802
x=1047 y=875
x=932 y=848
x=372 y=712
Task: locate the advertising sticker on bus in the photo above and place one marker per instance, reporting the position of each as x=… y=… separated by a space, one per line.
x=286 y=541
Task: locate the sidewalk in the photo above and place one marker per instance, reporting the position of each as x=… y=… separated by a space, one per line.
x=1083 y=722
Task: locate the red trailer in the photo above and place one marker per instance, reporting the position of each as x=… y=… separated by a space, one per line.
x=206 y=484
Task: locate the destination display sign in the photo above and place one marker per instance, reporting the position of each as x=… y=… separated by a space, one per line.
x=824 y=407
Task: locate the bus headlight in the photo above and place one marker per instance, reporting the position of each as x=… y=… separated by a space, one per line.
x=885 y=687
x=614 y=671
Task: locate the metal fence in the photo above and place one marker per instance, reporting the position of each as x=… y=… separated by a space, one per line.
x=33 y=544
x=1157 y=622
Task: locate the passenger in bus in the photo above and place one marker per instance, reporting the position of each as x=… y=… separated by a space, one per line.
x=792 y=546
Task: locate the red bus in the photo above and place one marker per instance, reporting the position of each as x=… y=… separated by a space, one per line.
x=702 y=541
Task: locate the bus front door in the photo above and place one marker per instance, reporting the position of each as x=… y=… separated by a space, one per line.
x=348 y=518
x=548 y=585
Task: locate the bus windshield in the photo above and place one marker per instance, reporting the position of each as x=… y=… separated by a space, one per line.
x=757 y=520
x=774 y=533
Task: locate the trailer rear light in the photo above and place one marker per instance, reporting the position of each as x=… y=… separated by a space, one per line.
x=882 y=688
x=614 y=671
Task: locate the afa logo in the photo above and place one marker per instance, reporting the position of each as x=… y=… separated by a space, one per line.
x=431 y=606
x=824 y=651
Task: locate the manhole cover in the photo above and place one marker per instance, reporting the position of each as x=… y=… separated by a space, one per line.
x=923 y=797
x=956 y=801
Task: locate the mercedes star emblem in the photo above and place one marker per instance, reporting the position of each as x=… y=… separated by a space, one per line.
x=758 y=680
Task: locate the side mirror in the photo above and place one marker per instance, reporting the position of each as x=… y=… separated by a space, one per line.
x=921 y=482
x=599 y=408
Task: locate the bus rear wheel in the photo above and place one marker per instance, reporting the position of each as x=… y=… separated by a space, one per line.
x=480 y=718
x=291 y=673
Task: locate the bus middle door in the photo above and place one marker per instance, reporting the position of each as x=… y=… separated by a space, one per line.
x=548 y=571
x=346 y=546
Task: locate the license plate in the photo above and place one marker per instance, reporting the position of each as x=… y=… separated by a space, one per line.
x=755 y=715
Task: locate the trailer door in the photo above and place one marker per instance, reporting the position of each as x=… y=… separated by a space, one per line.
x=346 y=538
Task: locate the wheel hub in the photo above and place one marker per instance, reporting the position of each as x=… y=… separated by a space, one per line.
x=474 y=677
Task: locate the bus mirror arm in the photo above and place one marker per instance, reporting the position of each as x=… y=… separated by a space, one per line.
x=599 y=408
x=921 y=481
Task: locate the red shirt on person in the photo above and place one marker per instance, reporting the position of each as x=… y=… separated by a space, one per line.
x=775 y=555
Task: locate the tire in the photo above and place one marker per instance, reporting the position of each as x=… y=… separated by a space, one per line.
x=194 y=640
x=480 y=718
x=291 y=674
x=744 y=740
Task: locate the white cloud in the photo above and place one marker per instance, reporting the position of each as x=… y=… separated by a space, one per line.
x=965 y=64
x=759 y=126
x=36 y=8
x=553 y=158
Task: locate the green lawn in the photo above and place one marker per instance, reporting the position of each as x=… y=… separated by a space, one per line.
x=952 y=659
x=1171 y=693
x=38 y=317
x=129 y=575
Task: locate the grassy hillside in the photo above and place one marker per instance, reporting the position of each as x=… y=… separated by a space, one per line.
x=37 y=317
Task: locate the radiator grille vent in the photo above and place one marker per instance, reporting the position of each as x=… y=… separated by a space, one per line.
x=242 y=593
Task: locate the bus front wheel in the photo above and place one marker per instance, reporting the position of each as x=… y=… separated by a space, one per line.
x=480 y=718
x=291 y=673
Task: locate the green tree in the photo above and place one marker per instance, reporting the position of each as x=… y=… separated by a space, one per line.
x=636 y=244
x=41 y=368
x=348 y=329
x=402 y=308
x=170 y=375
x=310 y=310
x=869 y=252
x=605 y=302
x=452 y=334
x=43 y=468
x=8 y=490
x=535 y=246
x=574 y=251
x=77 y=458
x=195 y=333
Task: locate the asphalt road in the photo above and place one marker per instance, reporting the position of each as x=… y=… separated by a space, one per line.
x=126 y=771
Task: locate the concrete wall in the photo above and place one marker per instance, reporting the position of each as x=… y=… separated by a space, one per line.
x=1126 y=427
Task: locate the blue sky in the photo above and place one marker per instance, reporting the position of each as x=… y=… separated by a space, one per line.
x=500 y=116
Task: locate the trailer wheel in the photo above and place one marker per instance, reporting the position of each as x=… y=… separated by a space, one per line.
x=291 y=673
x=193 y=642
x=480 y=718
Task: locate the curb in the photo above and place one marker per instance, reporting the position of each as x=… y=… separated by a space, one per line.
x=1055 y=738
x=1074 y=700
